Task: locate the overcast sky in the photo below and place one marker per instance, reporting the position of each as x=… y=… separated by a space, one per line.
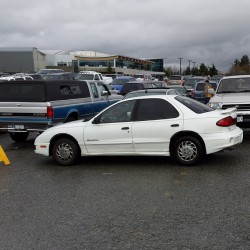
x=204 y=31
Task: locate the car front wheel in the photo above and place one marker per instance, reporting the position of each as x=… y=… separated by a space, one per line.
x=65 y=152
x=188 y=150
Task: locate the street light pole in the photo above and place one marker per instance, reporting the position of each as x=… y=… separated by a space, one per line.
x=180 y=58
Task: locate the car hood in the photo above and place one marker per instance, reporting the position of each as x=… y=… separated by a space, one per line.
x=72 y=125
x=231 y=98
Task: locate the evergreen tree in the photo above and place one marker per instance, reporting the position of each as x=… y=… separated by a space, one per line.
x=109 y=69
x=213 y=71
x=203 y=70
x=244 y=60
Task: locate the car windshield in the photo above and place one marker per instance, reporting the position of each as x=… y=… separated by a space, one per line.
x=85 y=77
x=234 y=85
x=194 y=105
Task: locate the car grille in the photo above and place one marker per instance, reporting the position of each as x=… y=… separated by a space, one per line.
x=238 y=106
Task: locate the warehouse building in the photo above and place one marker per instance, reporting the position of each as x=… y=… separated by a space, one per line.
x=13 y=60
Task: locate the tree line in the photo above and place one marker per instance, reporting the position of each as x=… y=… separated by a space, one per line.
x=239 y=67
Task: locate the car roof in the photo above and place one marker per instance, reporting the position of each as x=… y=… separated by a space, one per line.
x=238 y=76
x=141 y=82
x=151 y=90
x=124 y=77
x=59 y=73
x=210 y=81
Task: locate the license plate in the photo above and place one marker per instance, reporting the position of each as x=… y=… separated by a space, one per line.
x=239 y=118
x=16 y=126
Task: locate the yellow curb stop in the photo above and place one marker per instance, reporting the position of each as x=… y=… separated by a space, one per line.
x=3 y=157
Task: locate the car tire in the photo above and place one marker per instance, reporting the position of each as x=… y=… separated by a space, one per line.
x=65 y=152
x=188 y=150
x=19 y=136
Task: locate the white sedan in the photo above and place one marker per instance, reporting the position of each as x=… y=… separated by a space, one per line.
x=157 y=125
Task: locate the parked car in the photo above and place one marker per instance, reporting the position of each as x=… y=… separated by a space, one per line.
x=28 y=106
x=162 y=125
x=118 y=83
x=137 y=85
x=15 y=78
x=59 y=76
x=3 y=74
x=160 y=84
x=44 y=72
x=163 y=91
x=217 y=77
x=143 y=77
x=197 y=92
x=234 y=91
x=180 y=88
x=175 y=79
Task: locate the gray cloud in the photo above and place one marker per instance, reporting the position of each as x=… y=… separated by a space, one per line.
x=212 y=32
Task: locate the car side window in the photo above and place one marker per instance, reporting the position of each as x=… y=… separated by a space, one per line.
x=155 y=109
x=66 y=77
x=121 y=112
x=94 y=90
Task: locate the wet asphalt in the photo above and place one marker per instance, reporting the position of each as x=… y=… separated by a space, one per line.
x=124 y=202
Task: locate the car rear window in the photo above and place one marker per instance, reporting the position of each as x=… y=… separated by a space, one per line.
x=200 y=86
x=67 y=90
x=22 y=92
x=194 y=105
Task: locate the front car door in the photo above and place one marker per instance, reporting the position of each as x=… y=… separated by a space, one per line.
x=110 y=132
x=156 y=121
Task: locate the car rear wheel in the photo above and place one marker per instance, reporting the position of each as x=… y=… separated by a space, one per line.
x=188 y=150
x=19 y=136
x=65 y=152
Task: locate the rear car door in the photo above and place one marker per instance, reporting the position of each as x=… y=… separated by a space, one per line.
x=156 y=121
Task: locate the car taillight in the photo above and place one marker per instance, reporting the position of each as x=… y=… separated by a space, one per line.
x=226 y=122
x=50 y=112
x=192 y=93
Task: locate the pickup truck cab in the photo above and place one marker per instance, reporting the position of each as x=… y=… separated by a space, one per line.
x=93 y=75
x=27 y=106
x=234 y=91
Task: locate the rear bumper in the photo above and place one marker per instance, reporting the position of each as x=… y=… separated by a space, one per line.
x=23 y=127
x=220 y=141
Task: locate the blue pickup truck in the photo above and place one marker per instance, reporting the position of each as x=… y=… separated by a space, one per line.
x=27 y=106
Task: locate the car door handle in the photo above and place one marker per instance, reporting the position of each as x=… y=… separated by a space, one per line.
x=125 y=128
x=175 y=125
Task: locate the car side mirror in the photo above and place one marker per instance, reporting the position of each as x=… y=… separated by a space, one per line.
x=105 y=93
x=96 y=120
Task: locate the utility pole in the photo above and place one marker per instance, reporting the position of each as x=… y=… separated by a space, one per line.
x=180 y=58
x=194 y=64
x=189 y=62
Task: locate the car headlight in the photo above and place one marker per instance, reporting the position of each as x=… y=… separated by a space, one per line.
x=215 y=105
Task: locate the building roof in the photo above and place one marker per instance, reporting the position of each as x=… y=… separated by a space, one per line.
x=15 y=49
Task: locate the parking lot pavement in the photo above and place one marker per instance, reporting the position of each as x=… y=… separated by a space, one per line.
x=124 y=202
